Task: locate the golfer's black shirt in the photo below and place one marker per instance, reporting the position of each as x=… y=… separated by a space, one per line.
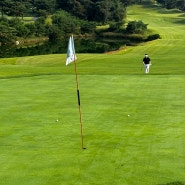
x=146 y=60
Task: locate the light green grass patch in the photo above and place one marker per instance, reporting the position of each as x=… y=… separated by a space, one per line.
x=147 y=143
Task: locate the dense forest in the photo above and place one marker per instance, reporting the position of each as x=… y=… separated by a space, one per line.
x=54 y=19
x=91 y=10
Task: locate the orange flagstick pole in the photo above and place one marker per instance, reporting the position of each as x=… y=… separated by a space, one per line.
x=79 y=108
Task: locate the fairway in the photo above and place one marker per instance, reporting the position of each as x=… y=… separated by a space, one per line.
x=133 y=124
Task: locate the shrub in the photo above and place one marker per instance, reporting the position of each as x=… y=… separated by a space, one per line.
x=153 y=37
x=87 y=27
x=115 y=26
x=136 y=27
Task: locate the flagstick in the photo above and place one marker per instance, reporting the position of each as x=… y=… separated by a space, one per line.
x=71 y=57
x=78 y=94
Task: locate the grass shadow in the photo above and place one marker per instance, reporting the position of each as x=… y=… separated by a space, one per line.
x=182 y=21
x=174 y=183
x=182 y=15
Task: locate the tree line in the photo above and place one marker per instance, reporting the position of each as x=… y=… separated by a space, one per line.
x=91 y=10
x=54 y=19
x=172 y=4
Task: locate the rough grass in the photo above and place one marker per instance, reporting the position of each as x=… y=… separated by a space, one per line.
x=145 y=148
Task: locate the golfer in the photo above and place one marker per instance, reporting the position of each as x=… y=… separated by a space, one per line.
x=146 y=63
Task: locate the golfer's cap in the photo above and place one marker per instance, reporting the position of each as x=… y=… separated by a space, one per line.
x=146 y=55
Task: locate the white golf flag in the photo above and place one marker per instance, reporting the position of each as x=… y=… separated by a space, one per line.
x=71 y=56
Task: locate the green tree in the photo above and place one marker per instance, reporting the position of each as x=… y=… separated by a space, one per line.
x=46 y=6
x=118 y=11
x=87 y=27
x=40 y=26
x=103 y=11
x=95 y=10
x=32 y=29
x=162 y=2
x=65 y=22
x=136 y=27
x=54 y=33
x=7 y=34
x=17 y=9
x=4 y=6
x=19 y=26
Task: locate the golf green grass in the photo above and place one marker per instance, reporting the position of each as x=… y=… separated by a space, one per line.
x=133 y=124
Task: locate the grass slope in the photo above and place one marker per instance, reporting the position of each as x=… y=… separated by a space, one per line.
x=145 y=148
